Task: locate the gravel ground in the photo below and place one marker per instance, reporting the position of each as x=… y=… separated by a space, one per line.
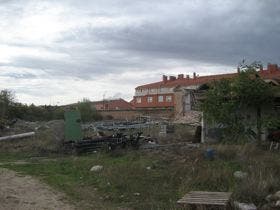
x=26 y=193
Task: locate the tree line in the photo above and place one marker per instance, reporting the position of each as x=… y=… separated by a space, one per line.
x=10 y=110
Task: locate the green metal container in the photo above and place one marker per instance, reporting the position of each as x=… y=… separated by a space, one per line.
x=73 y=130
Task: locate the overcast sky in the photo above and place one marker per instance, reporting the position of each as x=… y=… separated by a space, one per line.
x=57 y=52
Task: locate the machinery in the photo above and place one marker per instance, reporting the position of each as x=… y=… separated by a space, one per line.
x=75 y=142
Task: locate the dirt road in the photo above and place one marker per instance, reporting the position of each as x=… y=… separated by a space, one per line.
x=26 y=193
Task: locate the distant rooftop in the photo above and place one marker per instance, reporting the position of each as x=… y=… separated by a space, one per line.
x=272 y=72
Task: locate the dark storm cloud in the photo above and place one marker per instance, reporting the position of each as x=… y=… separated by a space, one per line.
x=248 y=31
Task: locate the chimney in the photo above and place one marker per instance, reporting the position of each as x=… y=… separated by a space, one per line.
x=187 y=76
x=261 y=68
x=194 y=75
x=238 y=69
x=180 y=76
x=164 y=78
x=172 y=78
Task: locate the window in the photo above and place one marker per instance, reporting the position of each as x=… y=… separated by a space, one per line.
x=160 y=98
x=168 y=98
x=150 y=99
x=138 y=100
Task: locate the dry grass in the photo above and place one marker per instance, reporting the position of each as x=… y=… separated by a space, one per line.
x=126 y=181
x=263 y=168
x=48 y=138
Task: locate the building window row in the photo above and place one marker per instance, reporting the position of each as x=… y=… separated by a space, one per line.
x=150 y=99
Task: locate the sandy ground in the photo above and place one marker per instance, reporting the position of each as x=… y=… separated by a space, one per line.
x=26 y=193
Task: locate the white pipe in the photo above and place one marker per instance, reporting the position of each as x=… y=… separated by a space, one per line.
x=17 y=136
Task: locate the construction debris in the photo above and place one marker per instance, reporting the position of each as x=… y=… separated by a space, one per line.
x=190 y=117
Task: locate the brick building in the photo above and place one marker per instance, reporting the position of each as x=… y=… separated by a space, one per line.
x=162 y=94
x=113 y=104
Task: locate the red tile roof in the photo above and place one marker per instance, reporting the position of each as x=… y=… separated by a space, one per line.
x=273 y=72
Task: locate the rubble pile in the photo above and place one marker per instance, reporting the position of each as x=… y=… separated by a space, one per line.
x=190 y=117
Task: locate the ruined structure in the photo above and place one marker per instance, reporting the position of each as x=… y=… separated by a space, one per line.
x=164 y=94
x=183 y=93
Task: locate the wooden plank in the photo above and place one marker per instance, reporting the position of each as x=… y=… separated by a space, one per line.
x=209 y=193
x=217 y=194
x=204 y=202
x=206 y=198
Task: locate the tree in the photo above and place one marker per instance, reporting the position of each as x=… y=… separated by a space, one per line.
x=227 y=99
x=6 y=100
x=88 y=112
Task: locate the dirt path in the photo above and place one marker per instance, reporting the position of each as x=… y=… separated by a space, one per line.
x=26 y=193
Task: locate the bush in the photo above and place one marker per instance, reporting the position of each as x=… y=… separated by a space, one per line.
x=88 y=112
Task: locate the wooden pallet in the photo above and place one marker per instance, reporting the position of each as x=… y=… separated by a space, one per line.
x=203 y=199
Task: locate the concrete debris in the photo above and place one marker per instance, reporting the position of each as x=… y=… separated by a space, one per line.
x=148 y=167
x=240 y=174
x=273 y=201
x=191 y=117
x=245 y=206
x=136 y=194
x=96 y=168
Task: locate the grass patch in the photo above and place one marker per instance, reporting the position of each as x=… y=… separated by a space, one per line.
x=125 y=180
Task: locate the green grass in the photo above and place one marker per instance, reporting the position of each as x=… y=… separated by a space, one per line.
x=123 y=177
x=125 y=180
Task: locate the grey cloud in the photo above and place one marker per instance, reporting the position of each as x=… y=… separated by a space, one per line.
x=156 y=35
x=227 y=38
